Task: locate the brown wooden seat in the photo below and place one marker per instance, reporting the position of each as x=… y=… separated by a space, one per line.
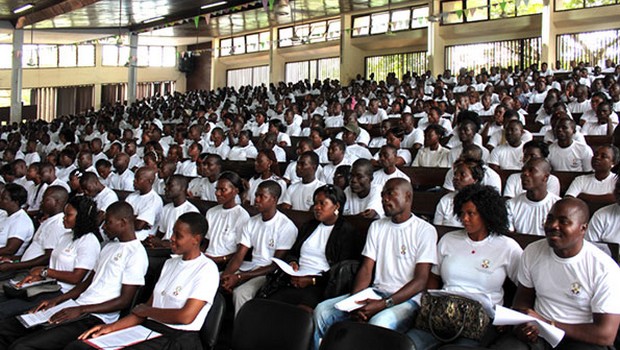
x=423 y=178
x=566 y=178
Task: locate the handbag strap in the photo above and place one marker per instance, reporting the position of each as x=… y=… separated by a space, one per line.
x=444 y=340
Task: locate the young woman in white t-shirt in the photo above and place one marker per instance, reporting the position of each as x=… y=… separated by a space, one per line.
x=182 y=297
x=476 y=259
x=73 y=258
x=466 y=172
x=266 y=168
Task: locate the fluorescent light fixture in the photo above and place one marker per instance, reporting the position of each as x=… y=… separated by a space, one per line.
x=213 y=4
x=154 y=19
x=23 y=8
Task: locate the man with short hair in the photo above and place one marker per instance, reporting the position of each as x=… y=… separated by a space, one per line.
x=337 y=156
x=363 y=197
x=387 y=160
x=300 y=195
x=567 y=282
x=146 y=203
x=101 y=194
x=122 y=178
x=398 y=275
x=209 y=167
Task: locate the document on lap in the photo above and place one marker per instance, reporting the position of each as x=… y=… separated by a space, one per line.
x=509 y=317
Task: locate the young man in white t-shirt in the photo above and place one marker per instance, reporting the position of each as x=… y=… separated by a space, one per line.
x=597 y=187
x=299 y=196
x=269 y=234
x=528 y=210
x=605 y=223
x=567 y=155
x=387 y=160
x=102 y=195
x=567 y=282
x=509 y=156
x=146 y=203
x=401 y=249
x=531 y=150
x=118 y=275
x=16 y=230
x=363 y=197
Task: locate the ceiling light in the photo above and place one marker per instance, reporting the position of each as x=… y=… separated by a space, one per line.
x=213 y=4
x=154 y=19
x=23 y=8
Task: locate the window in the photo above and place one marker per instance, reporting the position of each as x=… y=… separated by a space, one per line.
x=48 y=56
x=254 y=76
x=155 y=56
x=463 y=11
x=109 y=55
x=509 y=53
x=6 y=51
x=147 y=56
x=325 y=68
x=143 y=57
x=86 y=55
x=397 y=63
x=5 y=97
x=392 y=21
x=244 y=44
x=252 y=43
x=225 y=47
x=563 y=5
x=593 y=47
x=310 y=33
x=67 y=56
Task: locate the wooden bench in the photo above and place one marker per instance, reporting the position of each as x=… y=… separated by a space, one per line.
x=423 y=178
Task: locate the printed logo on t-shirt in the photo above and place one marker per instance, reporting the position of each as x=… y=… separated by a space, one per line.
x=575 y=288
x=118 y=256
x=485 y=263
x=272 y=243
x=403 y=250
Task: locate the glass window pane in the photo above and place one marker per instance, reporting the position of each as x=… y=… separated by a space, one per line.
x=143 y=57
x=568 y=4
x=29 y=56
x=86 y=55
x=317 y=32
x=361 y=26
x=169 y=58
x=109 y=55
x=67 y=56
x=450 y=7
x=225 y=46
x=239 y=44
x=400 y=19
x=6 y=51
x=284 y=36
x=155 y=56
x=264 y=39
x=594 y=3
x=48 y=56
x=302 y=32
x=379 y=22
x=476 y=10
x=497 y=11
x=333 y=30
x=419 y=17
x=260 y=75
x=534 y=6
x=123 y=55
x=251 y=42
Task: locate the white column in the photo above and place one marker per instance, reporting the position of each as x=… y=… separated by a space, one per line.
x=16 y=75
x=132 y=78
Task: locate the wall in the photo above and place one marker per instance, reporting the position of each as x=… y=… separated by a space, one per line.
x=200 y=77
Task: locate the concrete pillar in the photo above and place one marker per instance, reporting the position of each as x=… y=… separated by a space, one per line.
x=132 y=74
x=548 y=33
x=277 y=64
x=435 y=55
x=16 y=76
x=218 y=69
x=352 y=59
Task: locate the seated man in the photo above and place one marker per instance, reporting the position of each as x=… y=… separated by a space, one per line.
x=567 y=282
x=336 y=154
x=101 y=194
x=491 y=178
x=299 y=196
x=122 y=177
x=116 y=279
x=176 y=193
x=605 y=223
x=269 y=234
x=398 y=275
x=567 y=155
x=531 y=150
x=528 y=210
x=597 y=187
x=387 y=160
x=353 y=149
x=146 y=204
x=16 y=230
x=363 y=197
x=509 y=156
x=304 y=145
x=209 y=167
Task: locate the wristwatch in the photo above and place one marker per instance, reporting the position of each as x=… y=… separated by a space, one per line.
x=43 y=273
x=389 y=302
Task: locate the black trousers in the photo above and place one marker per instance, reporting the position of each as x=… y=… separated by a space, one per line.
x=171 y=339
x=14 y=336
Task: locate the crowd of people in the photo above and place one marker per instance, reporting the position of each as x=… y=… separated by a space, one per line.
x=84 y=198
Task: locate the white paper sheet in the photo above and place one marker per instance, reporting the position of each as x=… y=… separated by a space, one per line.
x=509 y=317
x=349 y=304
x=41 y=317
x=123 y=338
x=13 y=283
x=289 y=270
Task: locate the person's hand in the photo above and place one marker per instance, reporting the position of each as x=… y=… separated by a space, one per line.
x=29 y=279
x=36 y=271
x=527 y=332
x=370 y=308
x=229 y=282
x=533 y=313
x=153 y=242
x=44 y=305
x=294 y=265
x=67 y=314
x=140 y=310
x=368 y=214
x=303 y=281
x=96 y=331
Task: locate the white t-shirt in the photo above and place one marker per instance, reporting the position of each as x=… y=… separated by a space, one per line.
x=355 y=205
x=148 y=208
x=327 y=176
x=588 y=184
x=355 y=151
x=187 y=168
x=416 y=136
x=605 y=225
x=122 y=182
x=254 y=182
x=477 y=267
x=224 y=229
x=507 y=157
x=300 y=195
x=202 y=187
x=490 y=178
x=401 y=153
x=120 y=263
x=576 y=157
x=46 y=237
x=265 y=237
x=170 y=214
x=312 y=255
x=456 y=151
x=70 y=254
x=181 y=280
x=397 y=248
x=432 y=159
x=291 y=173
x=243 y=153
x=570 y=290
x=380 y=177
x=105 y=198
x=527 y=216
x=514 y=186
x=17 y=225
x=222 y=150
x=594 y=128
x=497 y=138
x=444 y=213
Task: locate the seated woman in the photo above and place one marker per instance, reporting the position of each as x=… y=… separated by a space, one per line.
x=182 y=297
x=322 y=242
x=73 y=258
x=225 y=220
x=476 y=259
x=266 y=167
x=466 y=172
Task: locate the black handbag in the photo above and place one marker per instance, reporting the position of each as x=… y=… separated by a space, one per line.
x=448 y=317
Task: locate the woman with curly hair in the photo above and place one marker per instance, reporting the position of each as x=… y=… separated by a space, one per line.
x=476 y=259
x=72 y=259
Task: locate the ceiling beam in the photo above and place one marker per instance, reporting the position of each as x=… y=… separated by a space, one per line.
x=52 y=11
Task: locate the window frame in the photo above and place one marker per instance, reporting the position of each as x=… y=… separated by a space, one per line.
x=368 y=31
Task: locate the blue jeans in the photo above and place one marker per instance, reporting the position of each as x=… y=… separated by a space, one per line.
x=424 y=340
x=398 y=317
